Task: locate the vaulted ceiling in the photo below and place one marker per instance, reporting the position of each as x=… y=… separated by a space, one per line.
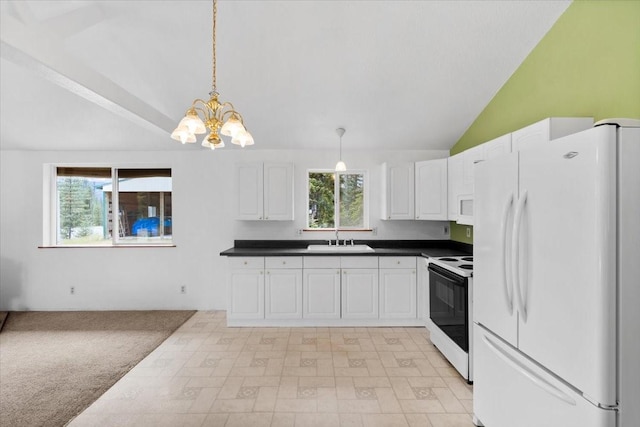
x=119 y=75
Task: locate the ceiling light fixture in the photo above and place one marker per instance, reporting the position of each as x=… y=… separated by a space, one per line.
x=214 y=113
x=340 y=166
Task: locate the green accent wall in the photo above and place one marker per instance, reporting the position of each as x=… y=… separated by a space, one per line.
x=587 y=65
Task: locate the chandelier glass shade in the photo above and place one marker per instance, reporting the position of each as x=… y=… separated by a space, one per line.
x=212 y=116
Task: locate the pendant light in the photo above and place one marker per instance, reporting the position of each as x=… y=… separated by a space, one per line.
x=340 y=166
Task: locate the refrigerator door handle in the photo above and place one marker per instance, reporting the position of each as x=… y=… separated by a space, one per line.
x=508 y=290
x=531 y=376
x=515 y=259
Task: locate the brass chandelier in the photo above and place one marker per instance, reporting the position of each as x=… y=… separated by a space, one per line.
x=214 y=113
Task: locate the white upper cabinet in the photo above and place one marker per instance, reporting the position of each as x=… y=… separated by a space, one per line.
x=398 y=191
x=431 y=190
x=497 y=147
x=548 y=129
x=454 y=181
x=470 y=157
x=265 y=191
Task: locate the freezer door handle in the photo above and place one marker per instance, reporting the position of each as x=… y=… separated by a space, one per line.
x=524 y=371
x=515 y=259
x=508 y=290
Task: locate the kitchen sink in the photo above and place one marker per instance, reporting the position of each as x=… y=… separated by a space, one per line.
x=340 y=249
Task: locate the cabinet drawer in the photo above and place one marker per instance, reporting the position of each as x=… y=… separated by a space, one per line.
x=398 y=262
x=321 y=262
x=251 y=262
x=359 y=262
x=283 y=262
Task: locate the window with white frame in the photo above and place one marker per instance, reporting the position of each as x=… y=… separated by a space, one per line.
x=337 y=200
x=108 y=206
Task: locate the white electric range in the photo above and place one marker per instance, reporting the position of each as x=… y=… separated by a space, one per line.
x=450 y=321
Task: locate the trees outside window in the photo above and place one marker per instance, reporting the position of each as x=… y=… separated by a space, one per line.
x=108 y=206
x=336 y=200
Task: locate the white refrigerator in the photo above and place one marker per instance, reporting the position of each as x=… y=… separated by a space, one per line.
x=557 y=283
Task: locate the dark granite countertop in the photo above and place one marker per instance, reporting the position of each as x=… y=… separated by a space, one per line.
x=426 y=248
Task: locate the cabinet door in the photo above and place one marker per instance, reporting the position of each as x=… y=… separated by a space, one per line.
x=454 y=178
x=360 y=293
x=398 y=191
x=470 y=158
x=321 y=293
x=431 y=190
x=278 y=191
x=532 y=136
x=283 y=294
x=398 y=293
x=250 y=191
x=245 y=295
x=497 y=147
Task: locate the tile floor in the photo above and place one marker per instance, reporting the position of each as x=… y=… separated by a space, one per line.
x=207 y=374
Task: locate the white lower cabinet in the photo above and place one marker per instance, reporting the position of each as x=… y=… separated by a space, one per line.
x=398 y=290
x=322 y=290
x=360 y=293
x=321 y=293
x=283 y=294
x=245 y=293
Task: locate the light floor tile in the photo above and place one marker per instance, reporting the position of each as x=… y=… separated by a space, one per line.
x=450 y=420
x=206 y=374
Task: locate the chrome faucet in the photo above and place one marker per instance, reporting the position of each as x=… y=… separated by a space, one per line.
x=337 y=238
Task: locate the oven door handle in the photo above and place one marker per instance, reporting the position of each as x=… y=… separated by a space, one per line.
x=506 y=282
x=515 y=261
x=452 y=278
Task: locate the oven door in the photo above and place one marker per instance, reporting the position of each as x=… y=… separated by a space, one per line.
x=448 y=304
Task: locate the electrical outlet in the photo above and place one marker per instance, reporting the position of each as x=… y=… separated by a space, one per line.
x=374 y=231
x=183 y=289
x=446 y=230
x=468 y=231
x=72 y=290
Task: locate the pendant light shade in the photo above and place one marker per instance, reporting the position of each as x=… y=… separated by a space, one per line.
x=340 y=166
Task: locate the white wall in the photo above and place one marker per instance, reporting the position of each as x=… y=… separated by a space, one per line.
x=116 y=278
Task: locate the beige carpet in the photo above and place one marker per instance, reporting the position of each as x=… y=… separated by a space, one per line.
x=55 y=364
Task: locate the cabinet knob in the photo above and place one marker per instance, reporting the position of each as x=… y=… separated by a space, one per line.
x=261 y=273
x=245 y=263
x=266 y=217
x=284 y=262
x=268 y=272
x=259 y=217
x=398 y=262
x=338 y=272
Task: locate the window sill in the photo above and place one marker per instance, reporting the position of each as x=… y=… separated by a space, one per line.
x=170 y=245
x=341 y=230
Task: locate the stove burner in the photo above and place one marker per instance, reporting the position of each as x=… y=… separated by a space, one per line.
x=448 y=259
x=466 y=266
x=467 y=258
